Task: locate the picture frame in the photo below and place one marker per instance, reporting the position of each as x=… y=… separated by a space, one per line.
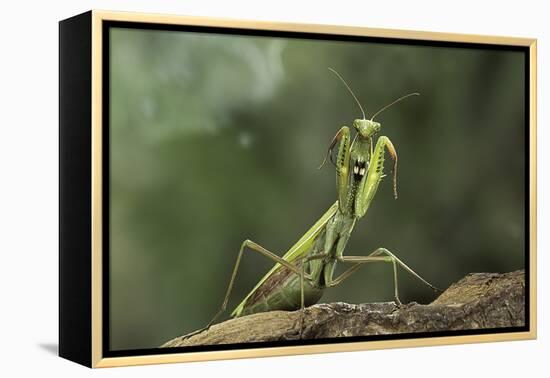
x=106 y=58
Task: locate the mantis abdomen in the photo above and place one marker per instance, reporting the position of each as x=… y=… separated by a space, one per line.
x=281 y=291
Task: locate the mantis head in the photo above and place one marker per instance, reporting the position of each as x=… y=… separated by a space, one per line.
x=366 y=127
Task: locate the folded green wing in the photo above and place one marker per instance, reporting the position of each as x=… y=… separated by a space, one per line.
x=298 y=249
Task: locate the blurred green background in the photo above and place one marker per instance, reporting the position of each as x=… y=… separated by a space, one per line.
x=217 y=138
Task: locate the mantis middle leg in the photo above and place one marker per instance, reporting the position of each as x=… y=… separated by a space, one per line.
x=379 y=255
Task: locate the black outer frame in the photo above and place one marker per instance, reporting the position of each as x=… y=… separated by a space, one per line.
x=75 y=259
x=75 y=189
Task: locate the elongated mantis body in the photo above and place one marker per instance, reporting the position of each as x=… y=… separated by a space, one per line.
x=299 y=278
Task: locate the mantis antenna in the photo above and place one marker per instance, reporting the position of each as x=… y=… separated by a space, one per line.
x=393 y=103
x=349 y=89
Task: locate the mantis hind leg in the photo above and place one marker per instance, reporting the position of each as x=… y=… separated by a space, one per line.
x=302 y=306
x=379 y=255
x=256 y=248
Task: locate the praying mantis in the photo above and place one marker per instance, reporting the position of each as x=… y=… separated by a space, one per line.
x=299 y=278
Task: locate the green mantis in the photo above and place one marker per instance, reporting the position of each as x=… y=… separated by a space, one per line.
x=299 y=278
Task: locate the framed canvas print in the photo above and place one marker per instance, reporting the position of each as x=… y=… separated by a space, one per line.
x=233 y=189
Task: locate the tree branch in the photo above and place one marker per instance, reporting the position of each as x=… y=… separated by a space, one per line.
x=479 y=300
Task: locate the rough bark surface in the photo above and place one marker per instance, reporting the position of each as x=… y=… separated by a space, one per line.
x=479 y=300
